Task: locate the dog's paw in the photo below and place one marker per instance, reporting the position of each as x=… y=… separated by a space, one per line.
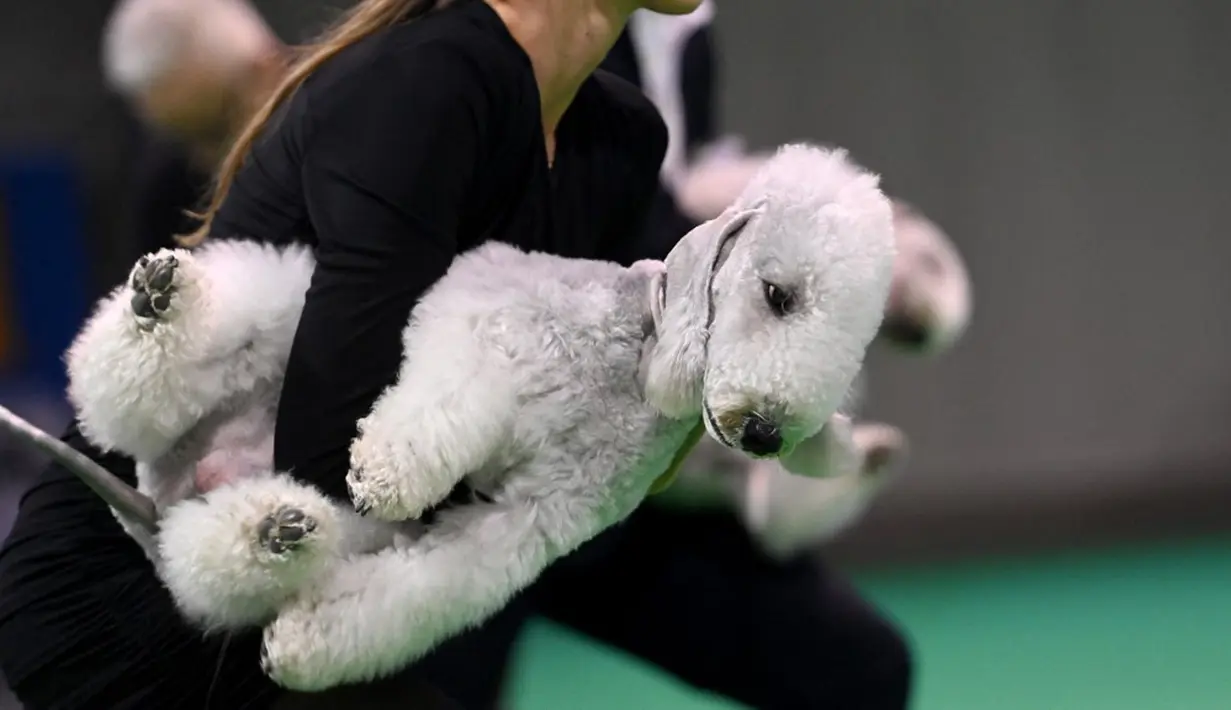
x=293 y=539
x=296 y=654
x=159 y=283
x=379 y=487
x=371 y=495
x=236 y=555
x=153 y=285
x=285 y=531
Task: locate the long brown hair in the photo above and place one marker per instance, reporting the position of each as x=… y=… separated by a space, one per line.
x=366 y=18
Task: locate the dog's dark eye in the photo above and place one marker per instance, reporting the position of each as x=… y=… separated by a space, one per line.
x=780 y=300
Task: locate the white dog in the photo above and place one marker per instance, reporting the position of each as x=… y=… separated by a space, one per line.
x=559 y=389
x=928 y=311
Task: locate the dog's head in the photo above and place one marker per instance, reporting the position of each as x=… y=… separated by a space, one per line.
x=765 y=313
x=930 y=302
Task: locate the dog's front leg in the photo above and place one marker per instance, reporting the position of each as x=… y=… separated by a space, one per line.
x=381 y=612
x=187 y=331
x=442 y=420
x=830 y=452
x=788 y=514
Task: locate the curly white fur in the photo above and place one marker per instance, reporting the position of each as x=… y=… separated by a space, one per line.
x=928 y=311
x=560 y=389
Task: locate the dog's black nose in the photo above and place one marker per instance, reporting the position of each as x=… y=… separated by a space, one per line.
x=906 y=332
x=760 y=438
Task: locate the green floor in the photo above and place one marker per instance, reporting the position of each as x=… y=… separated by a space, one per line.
x=1128 y=629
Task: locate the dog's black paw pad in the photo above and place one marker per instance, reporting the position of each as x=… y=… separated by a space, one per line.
x=284 y=530
x=153 y=284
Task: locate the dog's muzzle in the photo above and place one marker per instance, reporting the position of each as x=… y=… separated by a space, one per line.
x=751 y=433
x=760 y=436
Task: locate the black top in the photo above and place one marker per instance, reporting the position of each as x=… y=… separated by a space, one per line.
x=694 y=65
x=415 y=145
x=407 y=148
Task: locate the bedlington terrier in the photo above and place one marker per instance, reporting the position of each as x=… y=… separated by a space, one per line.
x=928 y=311
x=930 y=304
x=559 y=389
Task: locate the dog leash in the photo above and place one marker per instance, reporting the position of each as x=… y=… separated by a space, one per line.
x=132 y=505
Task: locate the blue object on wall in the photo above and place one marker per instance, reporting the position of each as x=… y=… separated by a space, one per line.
x=45 y=215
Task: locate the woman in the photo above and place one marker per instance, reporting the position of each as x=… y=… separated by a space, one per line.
x=410 y=132
x=794 y=634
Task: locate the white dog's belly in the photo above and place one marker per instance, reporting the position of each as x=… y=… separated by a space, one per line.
x=227 y=446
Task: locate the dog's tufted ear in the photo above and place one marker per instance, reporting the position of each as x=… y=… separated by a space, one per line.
x=677 y=365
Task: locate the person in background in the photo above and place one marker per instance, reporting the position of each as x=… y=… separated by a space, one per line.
x=191 y=71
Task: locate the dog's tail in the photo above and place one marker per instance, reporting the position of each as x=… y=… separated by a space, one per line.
x=134 y=507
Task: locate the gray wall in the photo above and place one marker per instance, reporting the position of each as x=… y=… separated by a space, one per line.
x=1079 y=154
x=1077 y=151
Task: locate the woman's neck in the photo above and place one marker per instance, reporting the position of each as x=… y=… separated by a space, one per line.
x=566 y=40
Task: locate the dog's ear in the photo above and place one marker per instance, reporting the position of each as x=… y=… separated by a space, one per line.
x=677 y=366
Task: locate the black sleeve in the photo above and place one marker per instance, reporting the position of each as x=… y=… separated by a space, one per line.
x=388 y=163
x=666 y=225
x=654 y=222
x=646 y=192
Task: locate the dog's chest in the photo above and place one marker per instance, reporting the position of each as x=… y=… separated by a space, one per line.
x=605 y=460
x=572 y=338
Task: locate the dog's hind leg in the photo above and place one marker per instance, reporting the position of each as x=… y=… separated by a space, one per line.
x=378 y=613
x=444 y=418
x=187 y=331
x=234 y=556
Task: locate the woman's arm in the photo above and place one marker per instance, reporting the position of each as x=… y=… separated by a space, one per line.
x=388 y=164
